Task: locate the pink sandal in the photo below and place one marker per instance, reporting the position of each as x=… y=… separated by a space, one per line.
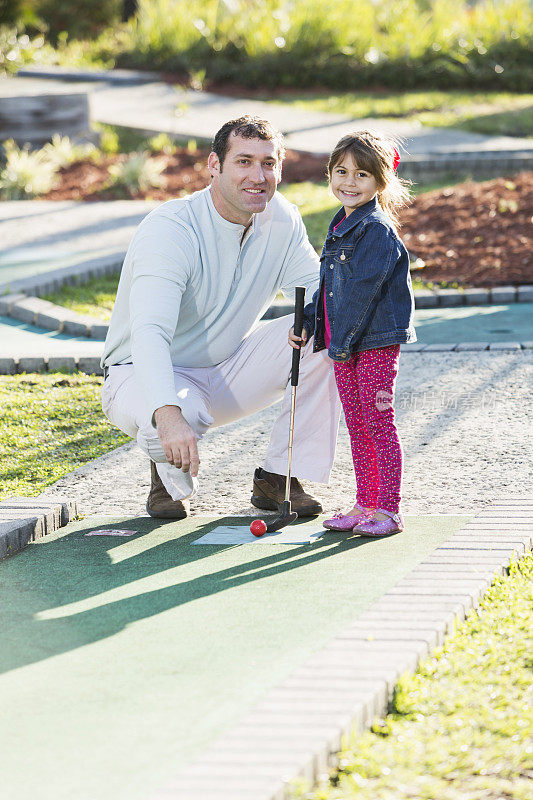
x=344 y=522
x=380 y=527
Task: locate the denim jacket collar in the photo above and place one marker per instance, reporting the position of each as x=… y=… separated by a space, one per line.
x=352 y=219
x=376 y=309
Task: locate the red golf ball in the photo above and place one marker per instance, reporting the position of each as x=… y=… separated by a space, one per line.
x=258 y=527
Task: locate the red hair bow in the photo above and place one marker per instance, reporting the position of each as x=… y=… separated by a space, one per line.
x=396 y=160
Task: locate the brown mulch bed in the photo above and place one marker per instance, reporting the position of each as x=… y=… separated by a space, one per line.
x=474 y=234
x=477 y=234
x=184 y=173
x=85 y=180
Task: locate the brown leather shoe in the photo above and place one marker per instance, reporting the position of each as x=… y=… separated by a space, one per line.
x=160 y=504
x=269 y=492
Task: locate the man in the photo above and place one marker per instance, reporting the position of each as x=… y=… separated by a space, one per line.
x=184 y=351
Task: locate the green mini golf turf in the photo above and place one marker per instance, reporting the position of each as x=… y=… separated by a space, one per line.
x=123 y=658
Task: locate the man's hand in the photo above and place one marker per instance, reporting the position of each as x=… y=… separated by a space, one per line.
x=177 y=439
x=297 y=341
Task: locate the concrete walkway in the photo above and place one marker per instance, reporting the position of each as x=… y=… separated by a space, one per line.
x=44 y=241
x=24 y=340
x=160 y=107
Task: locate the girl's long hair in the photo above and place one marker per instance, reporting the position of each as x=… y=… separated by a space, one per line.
x=375 y=154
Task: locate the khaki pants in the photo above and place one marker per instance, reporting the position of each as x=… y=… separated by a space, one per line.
x=253 y=378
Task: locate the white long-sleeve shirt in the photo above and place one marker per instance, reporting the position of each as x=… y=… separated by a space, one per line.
x=194 y=285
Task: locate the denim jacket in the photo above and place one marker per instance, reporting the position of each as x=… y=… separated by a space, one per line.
x=364 y=267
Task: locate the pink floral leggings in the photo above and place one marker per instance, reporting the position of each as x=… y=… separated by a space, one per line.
x=366 y=389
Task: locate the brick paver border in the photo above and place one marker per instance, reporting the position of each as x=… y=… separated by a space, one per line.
x=24 y=305
x=10 y=365
x=49 y=316
x=25 y=519
x=297 y=728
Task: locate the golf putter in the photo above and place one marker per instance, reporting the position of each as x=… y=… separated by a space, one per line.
x=287 y=514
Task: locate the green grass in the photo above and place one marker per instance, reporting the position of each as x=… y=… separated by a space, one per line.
x=316 y=204
x=503 y=113
x=461 y=726
x=418 y=283
x=54 y=424
x=121 y=139
x=94 y=298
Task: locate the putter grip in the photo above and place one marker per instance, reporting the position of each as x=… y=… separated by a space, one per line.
x=298 y=325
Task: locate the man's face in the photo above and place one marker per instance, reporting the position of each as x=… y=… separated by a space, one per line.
x=247 y=180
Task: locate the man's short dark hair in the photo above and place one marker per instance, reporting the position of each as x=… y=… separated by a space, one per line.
x=249 y=128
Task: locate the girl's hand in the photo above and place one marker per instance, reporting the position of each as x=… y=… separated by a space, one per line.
x=297 y=341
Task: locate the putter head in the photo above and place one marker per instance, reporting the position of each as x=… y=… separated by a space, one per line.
x=285 y=518
x=279 y=522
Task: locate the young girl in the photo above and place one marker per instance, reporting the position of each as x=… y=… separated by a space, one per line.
x=361 y=313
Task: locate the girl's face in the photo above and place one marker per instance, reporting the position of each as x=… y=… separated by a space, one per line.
x=352 y=186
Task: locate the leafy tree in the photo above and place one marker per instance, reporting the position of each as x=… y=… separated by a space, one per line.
x=80 y=19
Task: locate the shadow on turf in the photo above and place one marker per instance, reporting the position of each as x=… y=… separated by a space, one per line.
x=73 y=568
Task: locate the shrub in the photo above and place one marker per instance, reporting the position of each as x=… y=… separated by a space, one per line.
x=15 y=12
x=398 y=43
x=401 y=44
x=17 y=49
x=26 y=173
x=138 y=171
x=109 y=141
x=80 y=19
x=62 y=152
x=162 y=143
